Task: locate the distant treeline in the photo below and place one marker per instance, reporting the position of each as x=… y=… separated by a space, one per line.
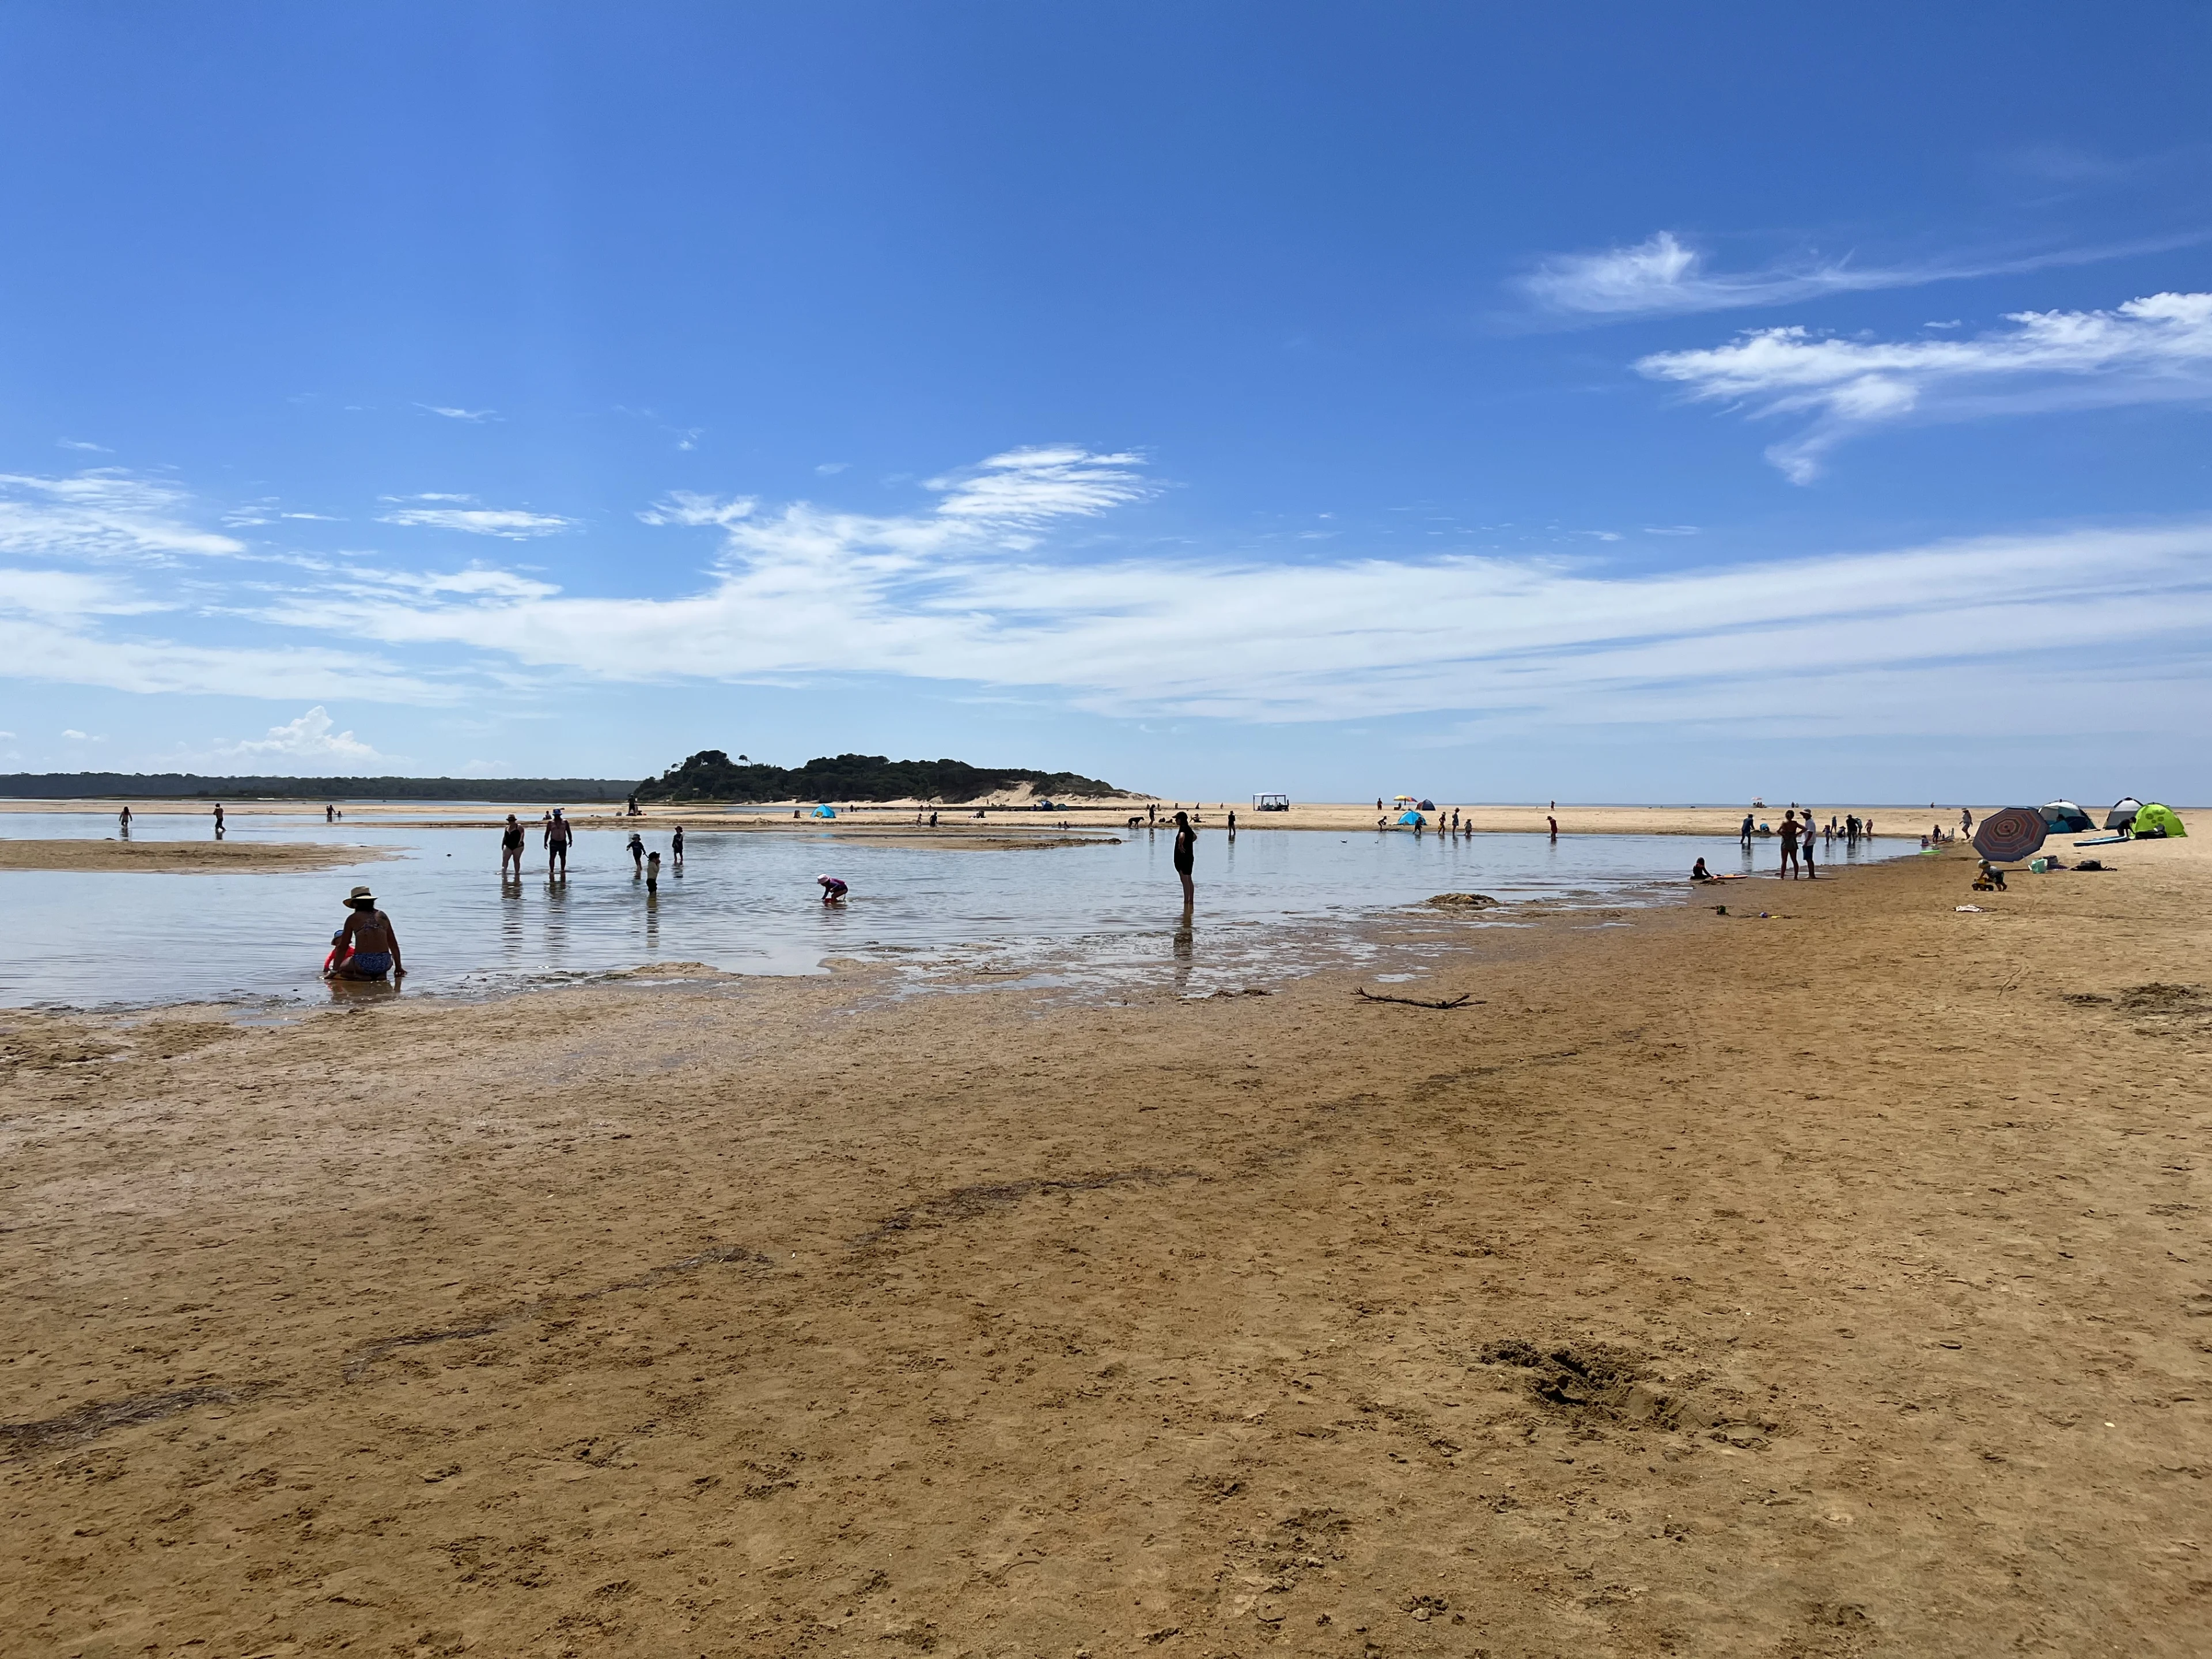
x=77 y=786
x=711 y=775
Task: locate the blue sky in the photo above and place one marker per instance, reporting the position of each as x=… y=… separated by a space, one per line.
x=1580 y=401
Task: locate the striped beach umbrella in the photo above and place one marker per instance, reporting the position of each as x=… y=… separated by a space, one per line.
x=2008 y=837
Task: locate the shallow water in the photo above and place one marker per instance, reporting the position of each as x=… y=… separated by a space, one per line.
x=1271 y=904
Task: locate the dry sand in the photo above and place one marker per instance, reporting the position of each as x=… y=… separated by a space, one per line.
x=175 y=857
x=1832 y=1284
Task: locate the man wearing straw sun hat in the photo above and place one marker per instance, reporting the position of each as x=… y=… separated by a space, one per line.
x=368 y=948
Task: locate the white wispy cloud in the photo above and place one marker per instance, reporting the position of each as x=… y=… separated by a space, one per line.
x=311 y=738
x=104 y=514
x=686 y=506
x=1007 y=582
x=460 y=513
x=1665 y=276
x=2153 y=350
x=1026 y=487
x=79 y=443
x=962 y=597
x=74 y=652
x=69 y=594
x=453 y=414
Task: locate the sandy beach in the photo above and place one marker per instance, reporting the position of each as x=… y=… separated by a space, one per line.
x=1827 y=1282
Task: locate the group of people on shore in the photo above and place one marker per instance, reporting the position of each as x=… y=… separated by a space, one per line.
x=1800 y=832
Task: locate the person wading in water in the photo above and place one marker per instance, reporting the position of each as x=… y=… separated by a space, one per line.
x=1186 y=852
x=558 y=834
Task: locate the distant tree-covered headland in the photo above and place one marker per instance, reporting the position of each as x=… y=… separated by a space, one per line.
x=188 y=786
x=710 y=775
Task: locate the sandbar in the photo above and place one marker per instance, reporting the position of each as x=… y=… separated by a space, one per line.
x=181 y=857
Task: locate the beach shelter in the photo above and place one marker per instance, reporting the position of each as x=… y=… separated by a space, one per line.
x=2007 y=836
x=2065 y=818
x=2155 y=820
x=1412 y=819
x=2123 y=813
x=825 y=811
x=1403 y=800
x=1427 y=805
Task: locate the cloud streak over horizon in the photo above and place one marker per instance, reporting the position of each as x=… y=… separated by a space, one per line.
x=974 y=590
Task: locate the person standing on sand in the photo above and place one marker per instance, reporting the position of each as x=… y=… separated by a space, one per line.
x=510 y=847
x=368 y=948
x=558 y=834
x=1805 y=852
x=1790 y=845
x=676 y=848
x=1965 y=822
x=1185 y=855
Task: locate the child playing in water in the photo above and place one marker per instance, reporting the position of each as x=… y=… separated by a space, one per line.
x=833 y=890
x=366 y=947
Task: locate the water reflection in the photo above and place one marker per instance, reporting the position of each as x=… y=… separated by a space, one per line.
x=361 y=992
x=1270 y=903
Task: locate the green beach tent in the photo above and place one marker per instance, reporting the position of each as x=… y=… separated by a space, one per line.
x=2155 y=820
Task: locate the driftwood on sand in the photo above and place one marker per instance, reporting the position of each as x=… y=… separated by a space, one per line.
x=1463 y=1000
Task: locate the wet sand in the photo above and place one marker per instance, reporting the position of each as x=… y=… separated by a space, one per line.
x=1830 y=1283
x=179 y=857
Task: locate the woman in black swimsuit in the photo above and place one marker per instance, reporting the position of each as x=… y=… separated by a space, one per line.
x=1186 y=849
x=510 y=848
